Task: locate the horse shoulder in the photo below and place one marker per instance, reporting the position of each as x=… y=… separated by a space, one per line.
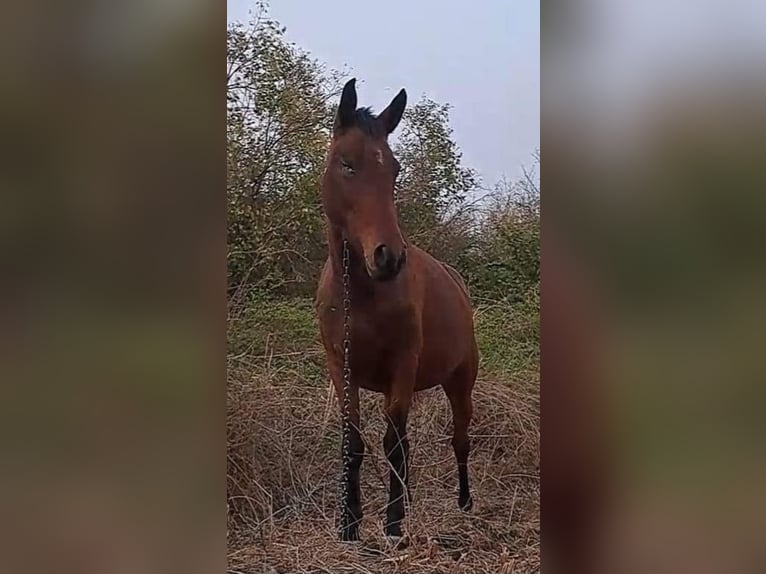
x=326 y=306
x=323 y=294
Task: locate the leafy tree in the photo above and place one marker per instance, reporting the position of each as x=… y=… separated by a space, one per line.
x=433 y=184
x=503 y=259
x=278 y=124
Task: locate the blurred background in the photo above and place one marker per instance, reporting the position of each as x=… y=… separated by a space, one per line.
x=112 y=282
x=654 y=139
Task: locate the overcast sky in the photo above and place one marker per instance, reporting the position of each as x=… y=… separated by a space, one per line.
x=483 y=58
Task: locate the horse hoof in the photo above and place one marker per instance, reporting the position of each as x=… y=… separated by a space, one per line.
x=350 y=534
x=465 y=504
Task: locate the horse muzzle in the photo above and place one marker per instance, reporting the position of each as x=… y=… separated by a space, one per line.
x=386 y=263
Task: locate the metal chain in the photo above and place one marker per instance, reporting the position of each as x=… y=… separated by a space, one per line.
x=346 y=386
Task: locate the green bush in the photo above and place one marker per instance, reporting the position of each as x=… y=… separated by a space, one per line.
x=508 y=335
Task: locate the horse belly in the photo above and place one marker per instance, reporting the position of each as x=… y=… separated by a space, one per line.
x=436 y=364
x=446 y=344
x=448 y=340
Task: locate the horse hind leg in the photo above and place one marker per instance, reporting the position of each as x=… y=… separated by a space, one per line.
x=458 y=391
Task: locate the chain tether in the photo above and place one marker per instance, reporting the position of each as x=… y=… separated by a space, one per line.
x=346 y=390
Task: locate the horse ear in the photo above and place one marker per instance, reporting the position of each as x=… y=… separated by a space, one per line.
x=391 y=116
x=347 y=107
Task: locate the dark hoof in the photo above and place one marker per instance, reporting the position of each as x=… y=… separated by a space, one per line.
x=349 y=533
x=466 y=503
x=394 y=530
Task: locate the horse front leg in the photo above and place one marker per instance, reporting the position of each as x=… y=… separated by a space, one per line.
x=351 y=503
x=397 y=448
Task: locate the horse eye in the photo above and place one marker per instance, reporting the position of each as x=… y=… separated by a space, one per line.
x=347 y=167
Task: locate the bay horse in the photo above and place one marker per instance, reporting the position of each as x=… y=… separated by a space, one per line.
x=411 y=320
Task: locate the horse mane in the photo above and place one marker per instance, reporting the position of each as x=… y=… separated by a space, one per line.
x=367 y=121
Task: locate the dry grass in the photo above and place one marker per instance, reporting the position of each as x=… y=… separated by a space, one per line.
x=283 y=469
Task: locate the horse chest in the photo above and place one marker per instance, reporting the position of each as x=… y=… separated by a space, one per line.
x=376 y=336
x=369 y=335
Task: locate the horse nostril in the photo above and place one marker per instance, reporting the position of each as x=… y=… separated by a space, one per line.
x=382 y=256
x=387 y=263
